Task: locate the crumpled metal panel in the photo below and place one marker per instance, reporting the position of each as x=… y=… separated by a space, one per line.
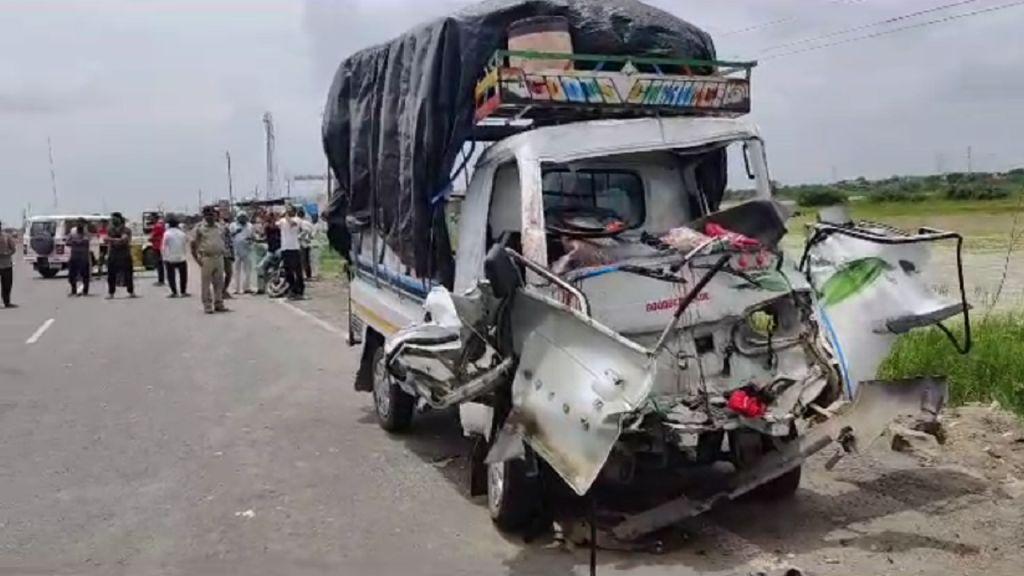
x=575 y=381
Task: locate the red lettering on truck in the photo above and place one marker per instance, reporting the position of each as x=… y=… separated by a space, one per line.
x=673 y=303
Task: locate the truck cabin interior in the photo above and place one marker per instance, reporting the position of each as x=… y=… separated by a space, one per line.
x=611 y=204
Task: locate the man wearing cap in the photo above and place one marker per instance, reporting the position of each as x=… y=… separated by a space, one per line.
x=209 y=249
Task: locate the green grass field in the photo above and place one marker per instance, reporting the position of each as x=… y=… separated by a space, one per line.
x=993 y=370
x=985 y=224
x=331 y=264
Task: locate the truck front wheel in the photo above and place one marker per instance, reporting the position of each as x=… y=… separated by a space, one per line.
x=394 y=407
x=513 y=494
x=747 y=448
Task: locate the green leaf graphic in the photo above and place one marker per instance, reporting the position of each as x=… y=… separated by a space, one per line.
x=851 y=279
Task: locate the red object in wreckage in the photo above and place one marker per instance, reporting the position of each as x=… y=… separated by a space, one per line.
x=615 y=227
x=737 y=240
x=747 y=405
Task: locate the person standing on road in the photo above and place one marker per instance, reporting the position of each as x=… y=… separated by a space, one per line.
x=156 y=242
x=80 y=265
x=241 y=240
x=7 y=250
x=102 y=234
x=229 y=253
x=119 y=257
x=306 y=242
x=173 y=249
x=209 y=250
x=291 y=254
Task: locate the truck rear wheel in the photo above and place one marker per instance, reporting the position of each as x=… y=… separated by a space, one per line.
x=393 y=406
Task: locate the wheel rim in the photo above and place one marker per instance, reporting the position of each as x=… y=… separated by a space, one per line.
x=495 y=487
x=278 y=286
x=382 y=388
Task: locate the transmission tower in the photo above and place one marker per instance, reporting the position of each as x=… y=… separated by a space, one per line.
x=268 y=123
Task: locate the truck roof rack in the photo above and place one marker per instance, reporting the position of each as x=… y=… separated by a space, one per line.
x=512 y=97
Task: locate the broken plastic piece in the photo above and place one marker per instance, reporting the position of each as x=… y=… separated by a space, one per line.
x=736 y=240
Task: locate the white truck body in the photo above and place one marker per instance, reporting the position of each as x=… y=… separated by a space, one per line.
x=643 y=355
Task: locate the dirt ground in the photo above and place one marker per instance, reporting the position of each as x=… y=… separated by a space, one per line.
x=923 y=508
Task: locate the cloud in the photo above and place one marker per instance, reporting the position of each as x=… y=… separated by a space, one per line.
x=141 y=99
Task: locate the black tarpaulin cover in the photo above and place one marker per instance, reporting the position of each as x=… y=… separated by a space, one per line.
x=399 y=113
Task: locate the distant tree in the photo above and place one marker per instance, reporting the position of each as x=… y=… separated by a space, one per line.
x=814 y=196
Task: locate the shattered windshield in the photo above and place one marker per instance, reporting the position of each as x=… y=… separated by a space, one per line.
x=593 y=200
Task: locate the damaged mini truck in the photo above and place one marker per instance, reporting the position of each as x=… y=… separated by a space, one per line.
x=605 y=326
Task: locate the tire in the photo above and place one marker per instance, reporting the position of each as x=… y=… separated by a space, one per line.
x=747 y=448
x=42 y=245
x=513 y=496
x=48 y=272
x=277 y=286
x=394 y=408
x=149 y=258
x=781 y=488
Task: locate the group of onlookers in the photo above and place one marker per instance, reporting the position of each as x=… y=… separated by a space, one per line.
x=226 y=250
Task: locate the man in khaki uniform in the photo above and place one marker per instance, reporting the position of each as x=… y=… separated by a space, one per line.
x=208 y=249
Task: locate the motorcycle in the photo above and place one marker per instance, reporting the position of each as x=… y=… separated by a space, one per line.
x=272 y=276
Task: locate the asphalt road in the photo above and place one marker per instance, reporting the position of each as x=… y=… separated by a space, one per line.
x=144 y=437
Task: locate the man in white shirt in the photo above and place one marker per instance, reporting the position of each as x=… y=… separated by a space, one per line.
x=291 y=253
x=241 y=239
x=305 y=242
x=174 y=251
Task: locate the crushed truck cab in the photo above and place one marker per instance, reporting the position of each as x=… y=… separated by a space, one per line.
x=609 y=320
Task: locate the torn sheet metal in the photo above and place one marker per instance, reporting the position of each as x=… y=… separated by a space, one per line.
x=856 y=426
x=576 y=380
x=442 y=358
x=870 y=289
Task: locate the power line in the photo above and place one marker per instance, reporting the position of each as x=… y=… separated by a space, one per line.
x=755 y=27
x=897 y=30
x=780 y=21
x=861 y=27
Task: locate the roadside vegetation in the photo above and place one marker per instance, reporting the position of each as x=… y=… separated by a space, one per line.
x=993 y=371
x=956 y=187
x=331 y=264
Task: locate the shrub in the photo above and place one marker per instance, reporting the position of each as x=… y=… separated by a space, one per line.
x=976 y=191
x=821 y=196
x=994 y=369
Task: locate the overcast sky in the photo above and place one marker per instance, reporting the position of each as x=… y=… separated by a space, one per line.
x=142 y=98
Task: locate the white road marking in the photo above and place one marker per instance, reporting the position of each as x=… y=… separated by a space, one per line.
x=321 y=323
x=39 y=332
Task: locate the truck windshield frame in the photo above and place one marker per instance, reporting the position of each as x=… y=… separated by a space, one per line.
x=608 y=189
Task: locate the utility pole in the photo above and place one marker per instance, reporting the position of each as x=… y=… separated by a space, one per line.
x=268 y=124
x=53 y=172
x=200 y=200
x=231 y=185
x=970 y=160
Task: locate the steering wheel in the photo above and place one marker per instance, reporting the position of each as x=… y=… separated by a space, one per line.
x=583 y=221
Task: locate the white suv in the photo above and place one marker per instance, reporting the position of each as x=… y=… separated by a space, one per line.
x=43 y=241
